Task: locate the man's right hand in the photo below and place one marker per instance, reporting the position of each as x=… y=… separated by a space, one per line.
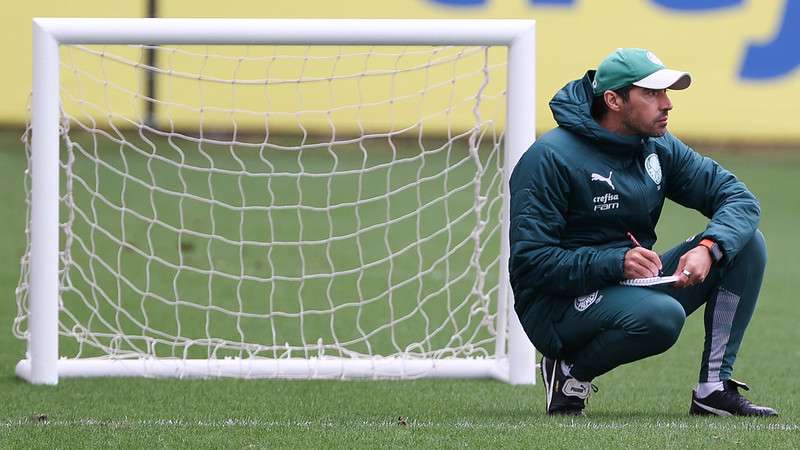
x=641 y=263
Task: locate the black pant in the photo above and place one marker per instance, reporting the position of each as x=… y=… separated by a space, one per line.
x=622 y=324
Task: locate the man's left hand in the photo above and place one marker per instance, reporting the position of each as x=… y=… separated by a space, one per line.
x=693 y=267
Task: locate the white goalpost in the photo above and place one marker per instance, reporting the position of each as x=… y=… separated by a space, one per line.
x=316 y=199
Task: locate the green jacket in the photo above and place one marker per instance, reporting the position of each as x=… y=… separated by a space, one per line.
x=580 y=188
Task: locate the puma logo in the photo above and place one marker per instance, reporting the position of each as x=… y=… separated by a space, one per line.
x=575 y=388
x=596 y=177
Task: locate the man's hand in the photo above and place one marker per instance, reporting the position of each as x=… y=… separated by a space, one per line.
x=693 y=267
x=641 y=263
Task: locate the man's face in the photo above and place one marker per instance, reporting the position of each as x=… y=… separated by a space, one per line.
x=645 y=112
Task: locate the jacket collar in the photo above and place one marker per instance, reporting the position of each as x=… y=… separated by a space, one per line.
x=571 y=107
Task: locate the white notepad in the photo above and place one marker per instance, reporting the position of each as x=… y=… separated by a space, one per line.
x=649 y=281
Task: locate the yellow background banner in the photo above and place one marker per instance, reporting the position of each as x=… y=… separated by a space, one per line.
x=743 y=56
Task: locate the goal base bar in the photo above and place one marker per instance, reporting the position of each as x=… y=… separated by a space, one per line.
x=294 y=368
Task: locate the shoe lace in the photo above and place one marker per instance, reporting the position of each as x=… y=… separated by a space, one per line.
x=594 y=389
x=733 y=393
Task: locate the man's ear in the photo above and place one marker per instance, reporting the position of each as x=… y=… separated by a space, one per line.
x=613 y=100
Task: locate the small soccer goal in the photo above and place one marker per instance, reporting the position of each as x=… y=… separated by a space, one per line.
x=274 y=198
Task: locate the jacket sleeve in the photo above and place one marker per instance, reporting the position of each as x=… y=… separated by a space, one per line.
x=540 y=191
x=698 y=182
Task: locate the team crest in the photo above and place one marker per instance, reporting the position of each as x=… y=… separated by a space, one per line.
x=653 y=168
x=654 y=59
x=581 y=303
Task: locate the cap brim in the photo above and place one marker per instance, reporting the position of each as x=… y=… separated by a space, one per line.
x=666 y=79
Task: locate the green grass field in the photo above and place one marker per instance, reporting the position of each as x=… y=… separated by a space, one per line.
x=641 y=405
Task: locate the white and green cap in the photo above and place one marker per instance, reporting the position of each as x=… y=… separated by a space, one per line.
x=638 y=67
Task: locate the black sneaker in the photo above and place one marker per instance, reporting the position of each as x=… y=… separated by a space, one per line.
x=728 y=402
x=564 y=395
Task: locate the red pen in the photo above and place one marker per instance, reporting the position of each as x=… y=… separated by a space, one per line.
x=637 y=244
x=633 y=239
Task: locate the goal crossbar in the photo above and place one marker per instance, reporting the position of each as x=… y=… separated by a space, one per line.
x=285 y=31
x=514 y=356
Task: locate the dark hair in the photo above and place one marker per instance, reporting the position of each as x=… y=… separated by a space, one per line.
x=599 y=107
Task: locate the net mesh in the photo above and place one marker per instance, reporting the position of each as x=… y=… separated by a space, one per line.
x=282 y=202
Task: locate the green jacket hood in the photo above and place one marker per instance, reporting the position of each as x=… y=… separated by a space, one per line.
x=572 y=106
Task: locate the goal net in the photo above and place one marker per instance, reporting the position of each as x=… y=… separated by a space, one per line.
x=270 y=210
